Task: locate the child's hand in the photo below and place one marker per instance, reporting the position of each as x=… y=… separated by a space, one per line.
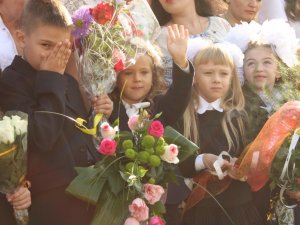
x=209 y=159
x=102 y=104
x=57 y=59
x=21 y=199
x=294 y=195
x=177 y=44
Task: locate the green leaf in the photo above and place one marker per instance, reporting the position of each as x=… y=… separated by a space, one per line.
x=111 y=209
x=87 y=186
x=116 y=183
x=187 y=148
x=159 y=208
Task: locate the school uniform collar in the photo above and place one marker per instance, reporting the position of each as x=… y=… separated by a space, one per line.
x=205 y=106
x=133 y=109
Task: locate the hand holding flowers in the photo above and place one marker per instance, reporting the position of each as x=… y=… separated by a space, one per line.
x=13 y=160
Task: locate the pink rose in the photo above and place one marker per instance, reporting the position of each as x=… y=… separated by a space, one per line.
x=153 y=193
x=107 y=147
x=131 y=221
x=171 y=153
x=107 y=131
x=139 y=209
x=156 y=220
x=133 y=122
x=156 y=129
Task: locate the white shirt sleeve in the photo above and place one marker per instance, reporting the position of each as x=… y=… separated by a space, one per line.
x=199 y=164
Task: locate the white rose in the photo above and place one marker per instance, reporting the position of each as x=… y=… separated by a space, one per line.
x=7 y=133
x=19 y=125
x=171 y=153
x=107 y=131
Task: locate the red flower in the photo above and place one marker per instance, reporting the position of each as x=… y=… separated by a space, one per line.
x=107 y=147
x=119 y=66
x=103 y=13
x=156 y=129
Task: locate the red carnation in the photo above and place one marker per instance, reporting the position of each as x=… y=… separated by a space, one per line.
x=119 y=66
x=103 y=13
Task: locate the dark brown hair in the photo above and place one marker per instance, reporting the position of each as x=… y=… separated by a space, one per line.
x=46 y=12
x=290 y=10
x=163 y=17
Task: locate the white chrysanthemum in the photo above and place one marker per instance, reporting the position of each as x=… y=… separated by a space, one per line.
x=19 y=125
x=242 y=34
x=282 y=37
x=7 y=132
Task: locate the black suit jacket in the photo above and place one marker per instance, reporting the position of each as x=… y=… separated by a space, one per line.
x=55 y=145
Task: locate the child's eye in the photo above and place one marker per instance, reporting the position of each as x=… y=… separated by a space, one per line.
x=268 y=62
x=45 y=45
x=224 y=74
x=127 y=73
x=250 y=64
x=145 y=72
x=207 y=73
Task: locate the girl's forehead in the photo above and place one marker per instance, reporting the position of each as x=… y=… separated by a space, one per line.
x=259 y=51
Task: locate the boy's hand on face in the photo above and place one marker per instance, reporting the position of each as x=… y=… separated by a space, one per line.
x=177 y=44
x=58 y=58
x=102 y=104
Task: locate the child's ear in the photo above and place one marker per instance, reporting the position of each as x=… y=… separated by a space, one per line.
x=20 y=40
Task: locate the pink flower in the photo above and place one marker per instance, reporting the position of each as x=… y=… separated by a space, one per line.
x=131 y=221
x=298 y=180
x=107 y=147
x=153 y=193
x=139 y=209
x=171 y=153
x=156 y=220
x=118 y=59
x=133 y=122
x=156 y=129
x=107 y=131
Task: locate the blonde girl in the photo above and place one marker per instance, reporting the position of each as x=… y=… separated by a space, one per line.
x=215 y=121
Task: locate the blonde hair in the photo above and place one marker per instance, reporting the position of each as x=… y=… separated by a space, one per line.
x=232 y=103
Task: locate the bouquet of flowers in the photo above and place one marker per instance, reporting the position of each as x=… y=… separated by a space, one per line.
x=285 y=170
x=106 y=41
x=13 y=156
x=129 y=182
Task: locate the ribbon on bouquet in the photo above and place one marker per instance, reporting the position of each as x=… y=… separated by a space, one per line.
x=285 y=173
x=79 y=122
x=220 y=162
x=13 y=148
x=92 y=131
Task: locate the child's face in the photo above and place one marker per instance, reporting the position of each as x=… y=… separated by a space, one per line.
x=260 y=68
x=212 y=81
x=40 y=42
x=139 y=80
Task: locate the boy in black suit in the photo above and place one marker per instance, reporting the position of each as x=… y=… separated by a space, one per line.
x=37 y=82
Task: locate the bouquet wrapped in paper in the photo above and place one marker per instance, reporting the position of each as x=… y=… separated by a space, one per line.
x=107 y=36
x=13 y=156
x=127 y=185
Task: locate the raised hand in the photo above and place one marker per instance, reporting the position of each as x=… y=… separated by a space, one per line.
x=177 y=44
x=21 y=199
x=102 y=104
x=57 y=59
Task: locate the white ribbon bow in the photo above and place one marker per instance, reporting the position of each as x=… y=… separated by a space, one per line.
x=134 y=108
